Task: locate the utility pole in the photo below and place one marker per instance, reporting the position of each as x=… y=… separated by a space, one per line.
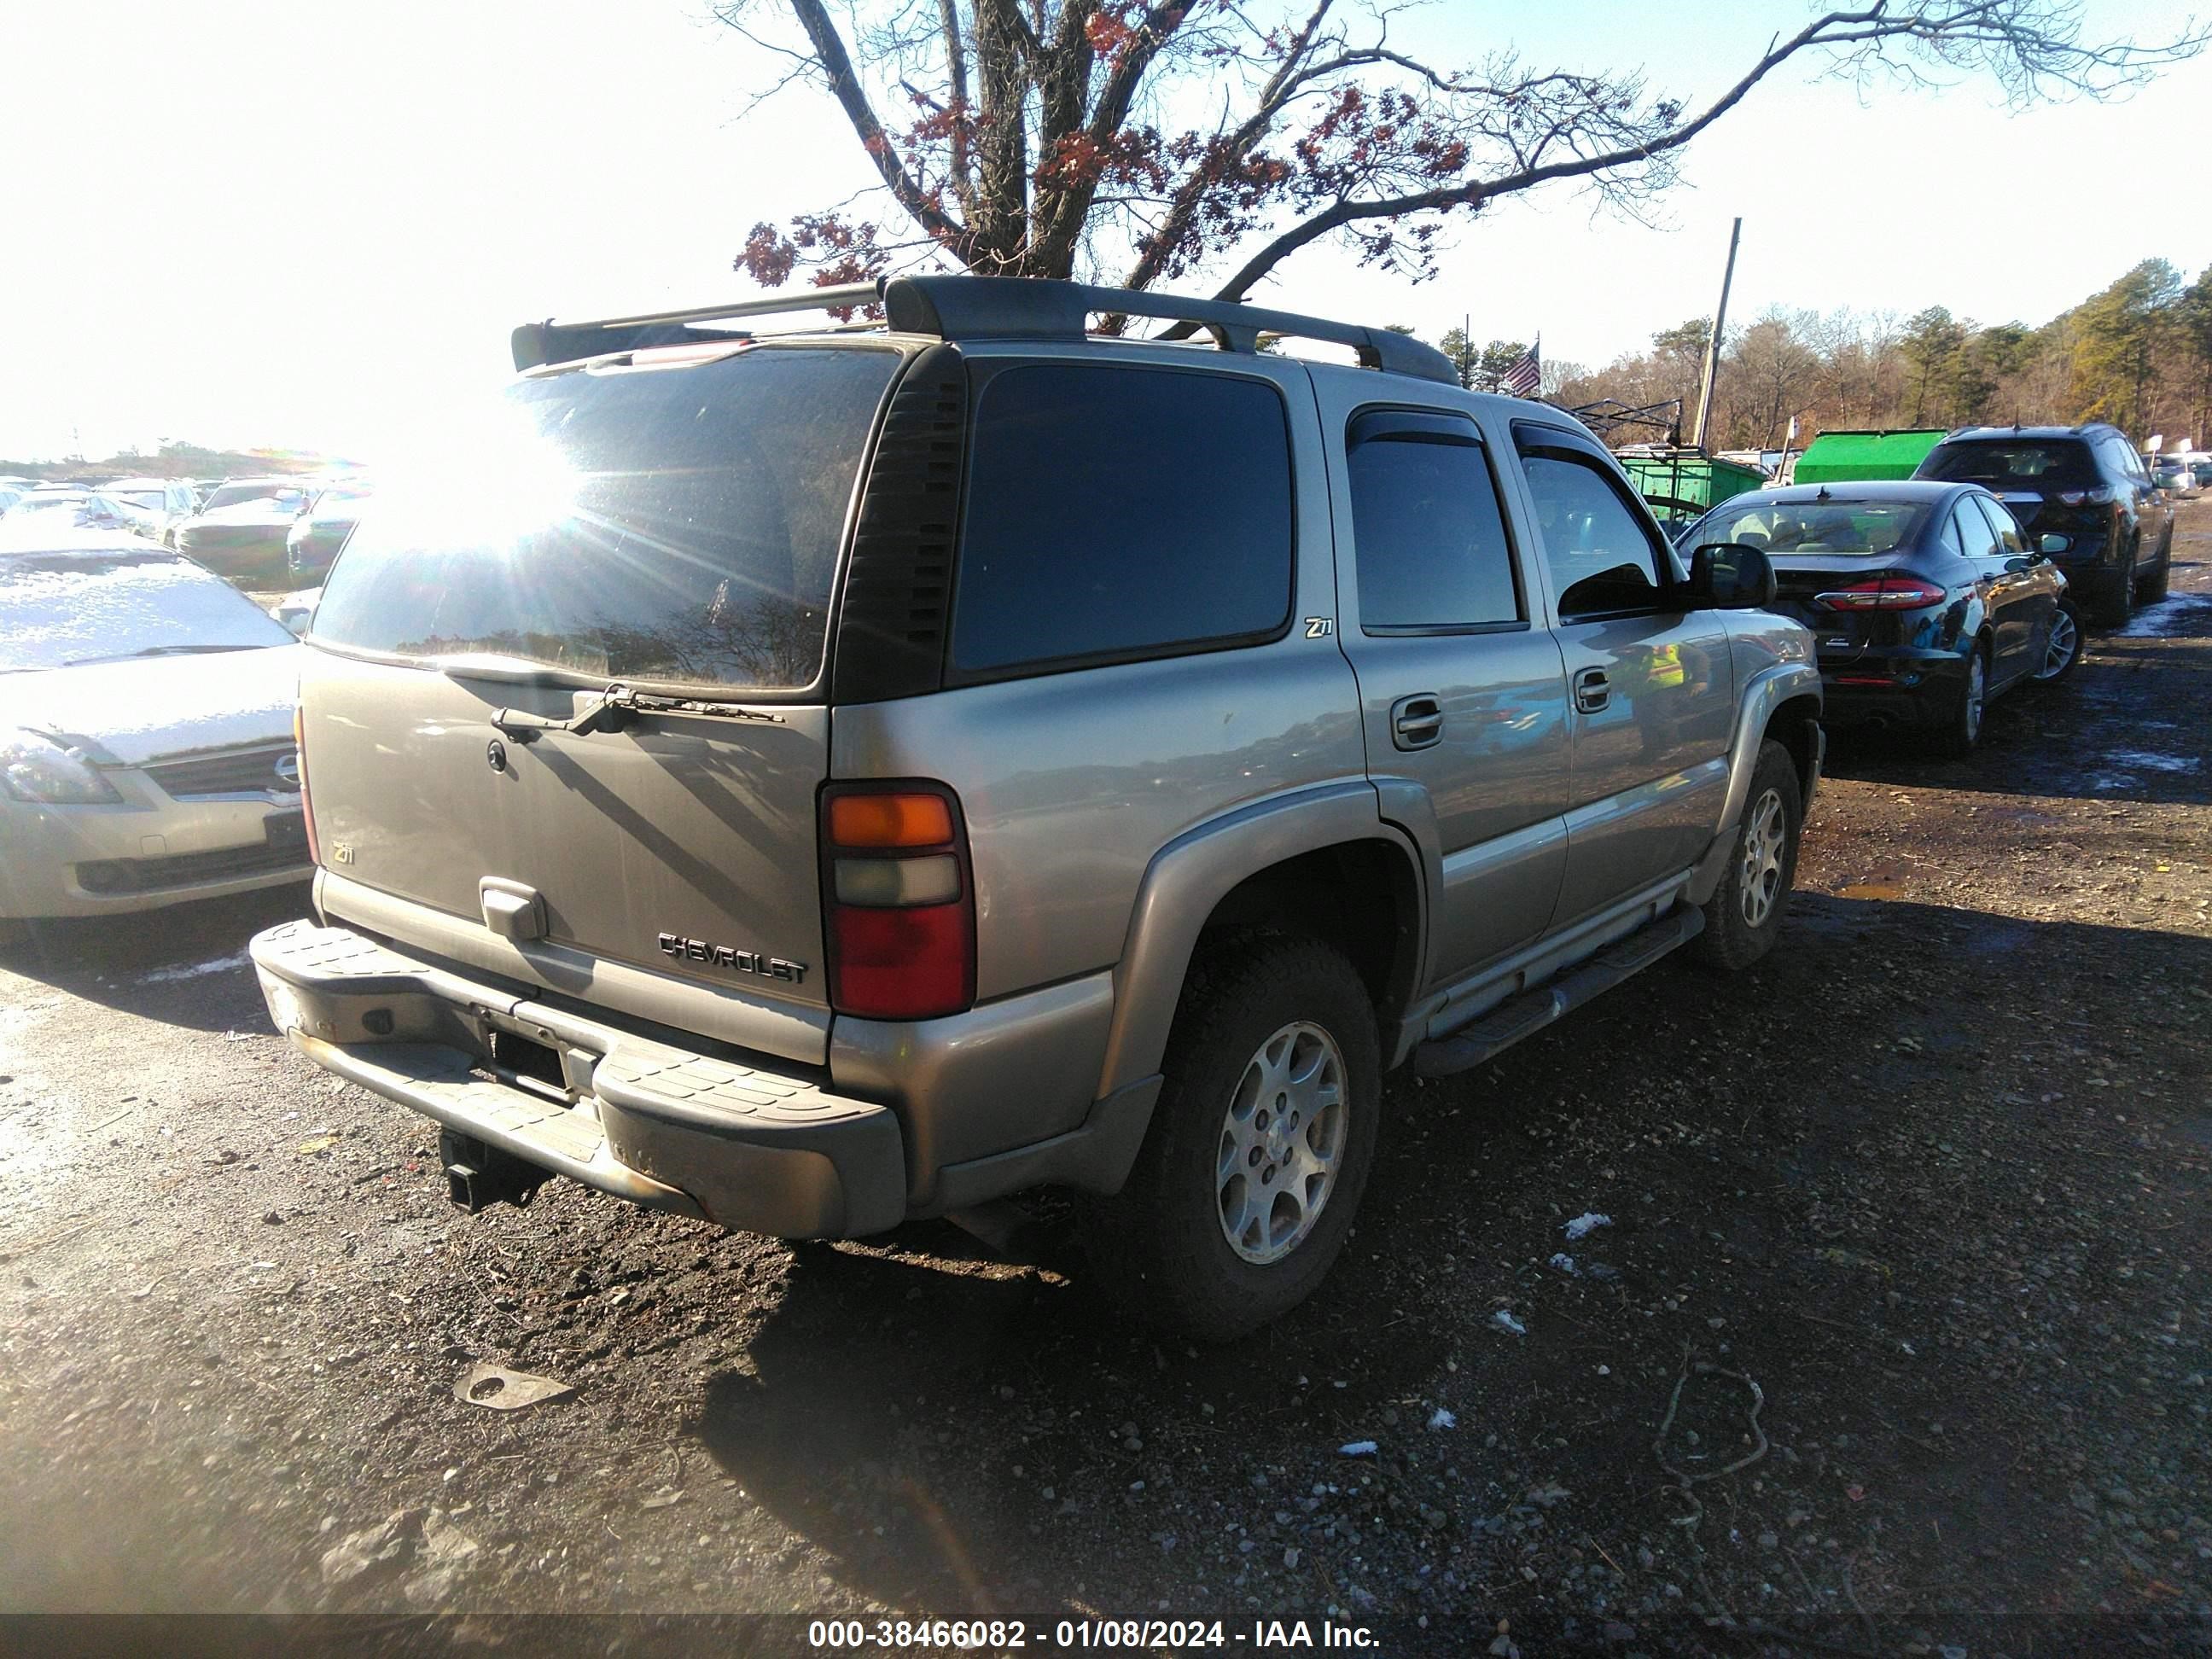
x=1713 y=345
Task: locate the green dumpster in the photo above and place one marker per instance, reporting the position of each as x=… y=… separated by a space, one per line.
x=1682 y=485
x=1852 y=457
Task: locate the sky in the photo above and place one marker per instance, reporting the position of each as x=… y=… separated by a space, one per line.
x=310 y=226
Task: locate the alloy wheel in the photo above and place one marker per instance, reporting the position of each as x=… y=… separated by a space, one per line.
x=1764 y=841
x=2060 y=649
x=1283 y=1141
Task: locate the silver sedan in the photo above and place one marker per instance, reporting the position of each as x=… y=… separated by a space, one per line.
x=146 y=747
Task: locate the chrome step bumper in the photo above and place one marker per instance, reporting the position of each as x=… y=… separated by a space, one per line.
x=749 y=1149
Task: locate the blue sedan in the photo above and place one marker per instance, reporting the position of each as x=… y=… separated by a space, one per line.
x=1923 y=598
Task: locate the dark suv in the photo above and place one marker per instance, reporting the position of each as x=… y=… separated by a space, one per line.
x=2083 y=496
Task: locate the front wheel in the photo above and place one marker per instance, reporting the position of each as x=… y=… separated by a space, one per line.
x=1744 y=915
x=2062 y=647
x=1260 y=1147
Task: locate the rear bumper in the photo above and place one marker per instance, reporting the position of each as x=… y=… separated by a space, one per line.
x=1891 y=688
x=775 y=1152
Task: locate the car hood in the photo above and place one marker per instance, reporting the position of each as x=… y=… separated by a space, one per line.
x=132 y=712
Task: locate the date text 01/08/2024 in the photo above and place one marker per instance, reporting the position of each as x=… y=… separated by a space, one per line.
x=1005 y=1634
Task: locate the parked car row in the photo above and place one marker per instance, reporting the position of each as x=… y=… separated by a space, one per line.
x=259 y=533
x=1929 y=597
x=728 y=825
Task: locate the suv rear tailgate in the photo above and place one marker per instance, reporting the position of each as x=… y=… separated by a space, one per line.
x=680 y=846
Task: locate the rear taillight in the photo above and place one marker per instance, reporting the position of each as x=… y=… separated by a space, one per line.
x=899 y=901
x=306 y=802
x=1883 y=593
x=2086 y=497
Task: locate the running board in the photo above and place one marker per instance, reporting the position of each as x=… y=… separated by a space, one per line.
x=1524 y=1015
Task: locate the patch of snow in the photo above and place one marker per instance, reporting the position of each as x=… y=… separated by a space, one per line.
x=1358 y=1448
x=1586 y=1224
x=2156 y=620
x=2109 y=782
x=194 y=970
x=1506 y=1322
x=1441 y=1419
x=62 y=604
x=129 y=712
x=1565 y=1263
x=2142 y=757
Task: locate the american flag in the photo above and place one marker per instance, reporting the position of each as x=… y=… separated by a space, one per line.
x=1526 y=374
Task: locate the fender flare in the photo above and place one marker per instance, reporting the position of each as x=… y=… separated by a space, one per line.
x=1194 y=873
x=1765 y=692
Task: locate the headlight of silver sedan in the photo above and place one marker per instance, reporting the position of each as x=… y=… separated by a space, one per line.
x=32 y=767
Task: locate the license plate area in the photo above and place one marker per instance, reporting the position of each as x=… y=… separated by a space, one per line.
x=525 y=1056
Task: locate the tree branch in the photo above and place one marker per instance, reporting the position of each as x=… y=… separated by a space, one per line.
x=837 y=65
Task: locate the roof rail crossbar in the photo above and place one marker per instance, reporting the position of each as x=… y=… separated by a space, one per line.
x=552 y=341
x=1023 y=308
x=955 y=307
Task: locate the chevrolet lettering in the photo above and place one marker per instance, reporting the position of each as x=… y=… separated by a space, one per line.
x=724 y=956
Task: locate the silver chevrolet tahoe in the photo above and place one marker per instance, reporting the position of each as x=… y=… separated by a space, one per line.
x=813 y=779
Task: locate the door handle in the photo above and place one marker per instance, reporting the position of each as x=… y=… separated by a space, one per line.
x=1417 y=721
x=1592 y=690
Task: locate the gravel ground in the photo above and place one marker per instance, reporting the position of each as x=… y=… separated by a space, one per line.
x=1894 y=1341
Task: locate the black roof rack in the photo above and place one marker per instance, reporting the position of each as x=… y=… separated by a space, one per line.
x=980 y=308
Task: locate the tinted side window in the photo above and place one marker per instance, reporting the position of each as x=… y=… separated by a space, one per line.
x=1115 y=512
x=1980 y=536
x=1433 y=552
x=1600 y=558
x=2010 y=545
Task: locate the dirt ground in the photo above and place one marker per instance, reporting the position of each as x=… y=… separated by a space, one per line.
x=1905 y=1270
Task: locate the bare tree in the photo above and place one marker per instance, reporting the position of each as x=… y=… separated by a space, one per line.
x=1038 y=137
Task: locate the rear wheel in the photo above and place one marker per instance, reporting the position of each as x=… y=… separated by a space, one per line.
x=2117 y=599
x=1744 y=915
x=2152 y=589
x=2062 y=647
x=1259 y=1146
x=1962 y=731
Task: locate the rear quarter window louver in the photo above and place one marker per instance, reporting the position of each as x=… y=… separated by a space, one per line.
x=898 y=581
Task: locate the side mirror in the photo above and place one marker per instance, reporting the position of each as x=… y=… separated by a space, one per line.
x=1730 y=576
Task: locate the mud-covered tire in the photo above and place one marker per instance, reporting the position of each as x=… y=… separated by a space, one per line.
x=2116 y=598
x=2064 y=646
x=1744 y=915
x=2152 y=586
x=1161 y=1246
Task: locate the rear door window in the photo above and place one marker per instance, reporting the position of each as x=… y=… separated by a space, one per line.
x=2003 y=525
x=1976 y=532
x=1079 y=548
x=1432 y=553
x=674 y=520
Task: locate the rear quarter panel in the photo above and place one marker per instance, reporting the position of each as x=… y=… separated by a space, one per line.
x=1072 y=783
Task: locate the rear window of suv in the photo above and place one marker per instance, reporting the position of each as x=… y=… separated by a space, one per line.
x=2060 y=463
x=1117 y=512
x=667 y=519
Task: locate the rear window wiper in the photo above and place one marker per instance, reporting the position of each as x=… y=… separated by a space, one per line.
x=613 y=706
